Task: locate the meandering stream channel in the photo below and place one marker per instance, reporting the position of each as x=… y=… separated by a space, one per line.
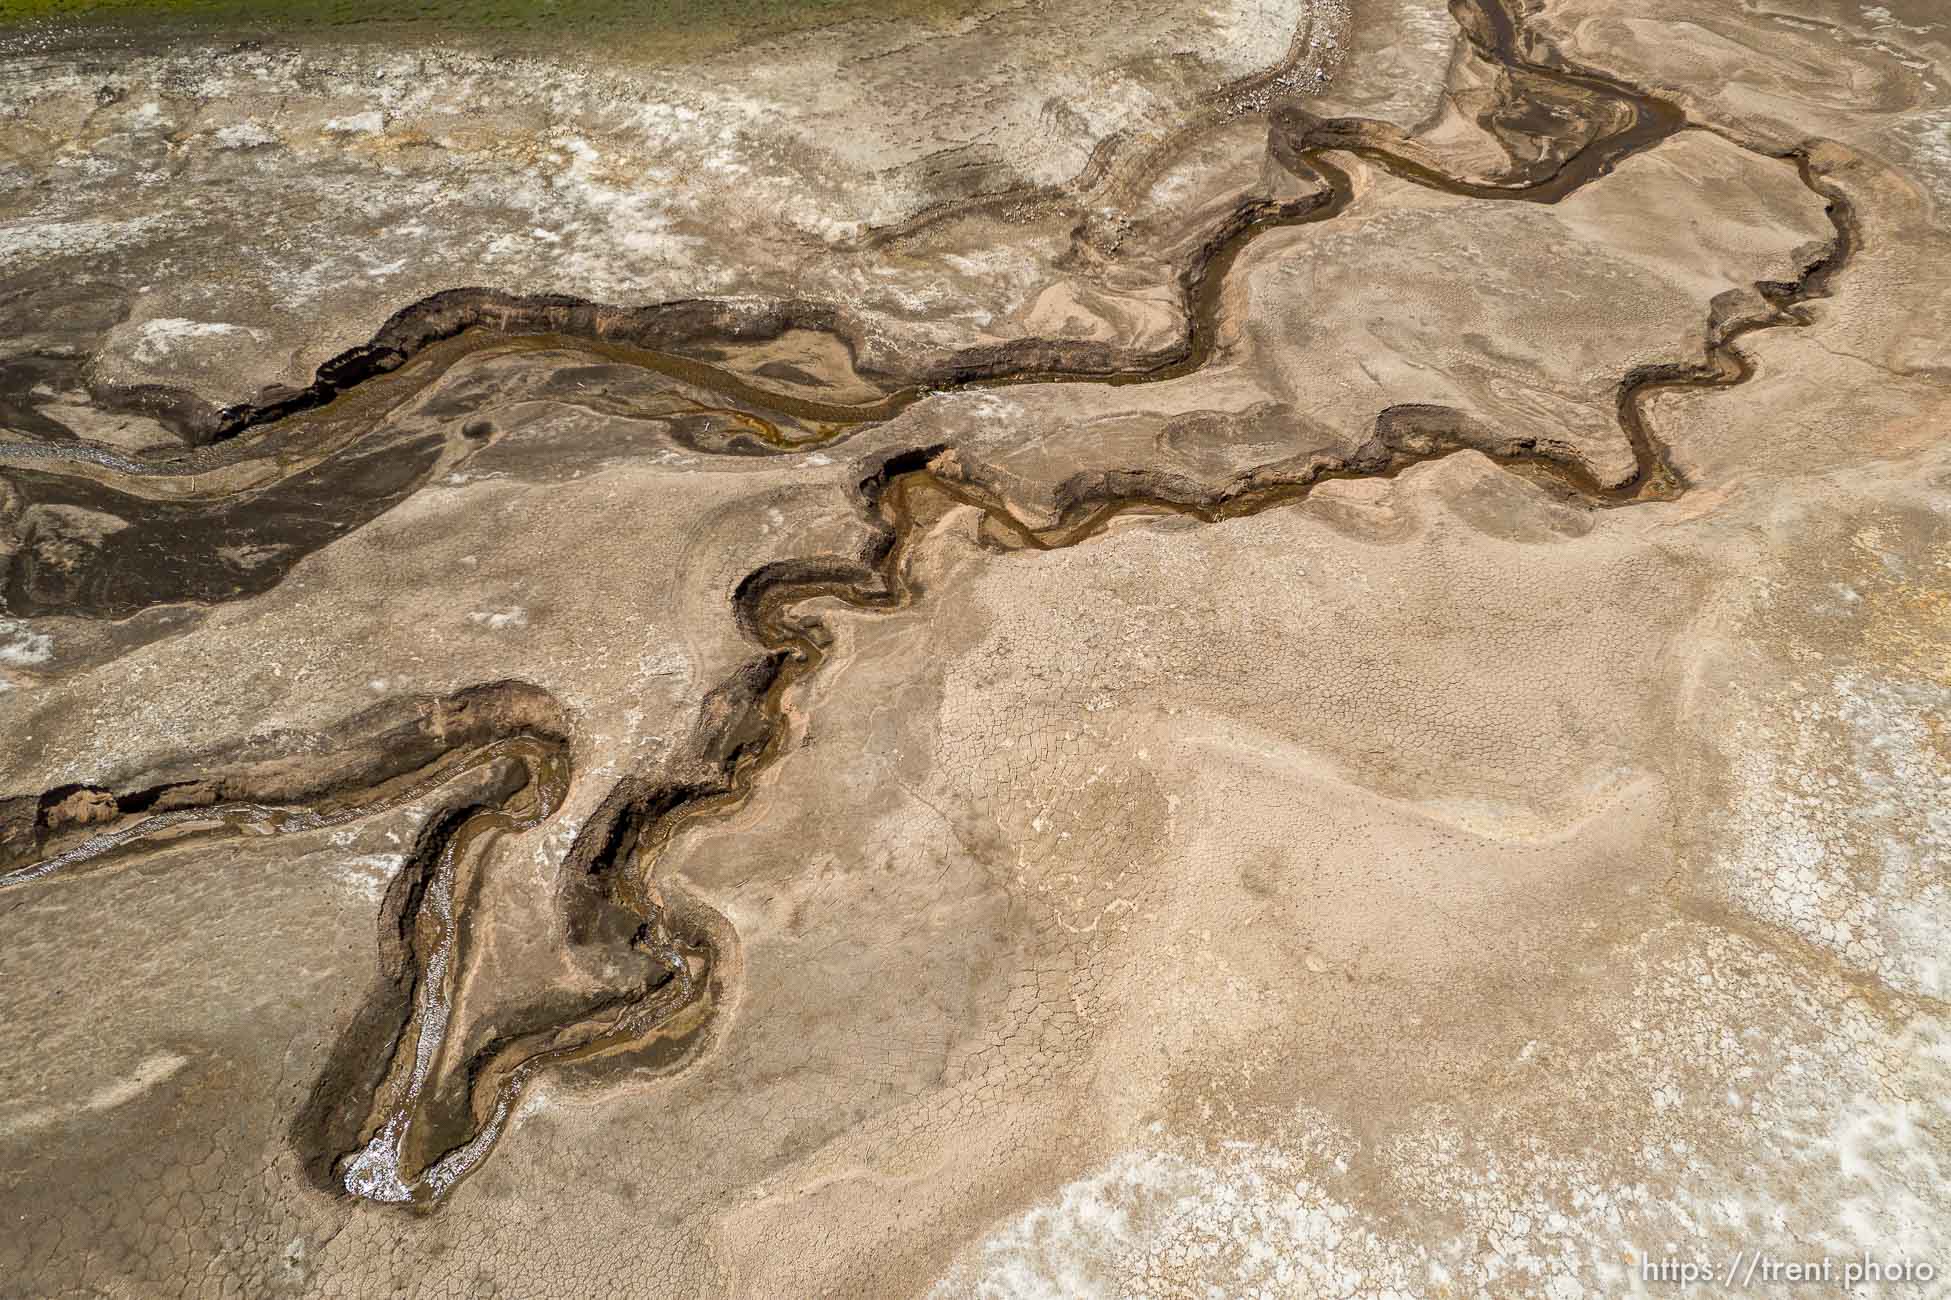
x=408 y=1153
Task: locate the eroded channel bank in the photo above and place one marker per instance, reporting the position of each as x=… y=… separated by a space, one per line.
x=427 y=1128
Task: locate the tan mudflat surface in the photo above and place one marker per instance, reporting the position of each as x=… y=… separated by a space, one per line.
x=1270 y=650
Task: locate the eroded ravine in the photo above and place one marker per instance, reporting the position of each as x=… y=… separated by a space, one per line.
x=610 y=873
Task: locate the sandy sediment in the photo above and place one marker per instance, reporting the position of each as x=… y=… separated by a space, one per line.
x=1350 y=709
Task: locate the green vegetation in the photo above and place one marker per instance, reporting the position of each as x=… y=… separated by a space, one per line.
x=637 y=22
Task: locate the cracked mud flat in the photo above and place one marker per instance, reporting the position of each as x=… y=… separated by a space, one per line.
x=1271 y=651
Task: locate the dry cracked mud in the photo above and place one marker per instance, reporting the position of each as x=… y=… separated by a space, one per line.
x=1000 y=650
